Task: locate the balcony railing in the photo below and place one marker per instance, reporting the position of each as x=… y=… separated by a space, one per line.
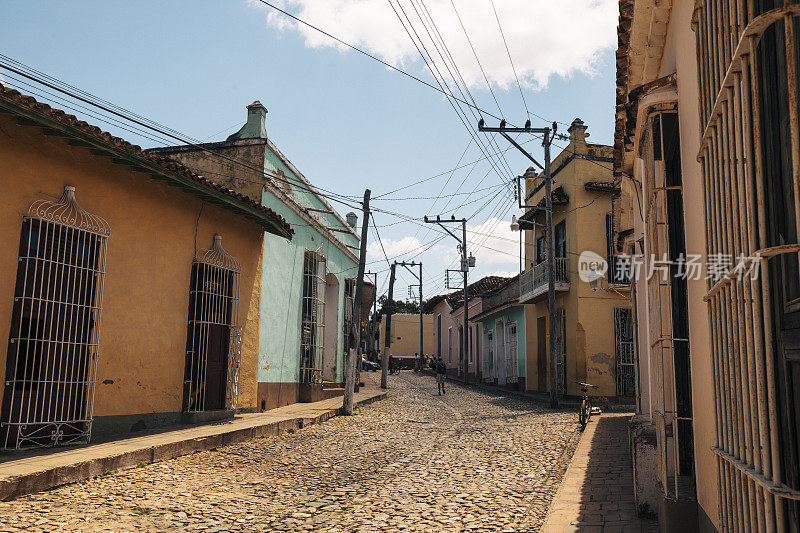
x=533 y=282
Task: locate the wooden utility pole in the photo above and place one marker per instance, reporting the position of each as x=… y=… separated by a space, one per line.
x=547 y=136
x=388 y=333
x=351 y=356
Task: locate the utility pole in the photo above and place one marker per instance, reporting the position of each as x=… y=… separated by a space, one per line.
x=421 y=328
x=466 y=263
x=388 y=333
x=373 y=328
x=548 y=134
x=351 y=359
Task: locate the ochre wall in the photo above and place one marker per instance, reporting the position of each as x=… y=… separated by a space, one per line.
x=154 y=228
x=406 y=326
x=589 y=315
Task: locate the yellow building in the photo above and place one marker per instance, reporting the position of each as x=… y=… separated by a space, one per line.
x=94 y=228
x=405 y=334
x=593 y=332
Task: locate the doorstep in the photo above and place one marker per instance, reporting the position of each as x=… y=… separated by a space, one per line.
x=45 y=469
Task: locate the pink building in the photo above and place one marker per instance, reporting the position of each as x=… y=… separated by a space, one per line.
x=448 y=326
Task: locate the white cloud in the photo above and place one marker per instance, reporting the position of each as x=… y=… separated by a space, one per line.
x=393 y=247
x=493 y=242
x=545 y=37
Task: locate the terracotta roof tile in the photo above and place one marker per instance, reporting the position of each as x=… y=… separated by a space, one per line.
x=477 y=289
x=72 y=121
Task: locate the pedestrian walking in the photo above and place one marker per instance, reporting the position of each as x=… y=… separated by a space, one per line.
x=416 y=362
x=441 y=374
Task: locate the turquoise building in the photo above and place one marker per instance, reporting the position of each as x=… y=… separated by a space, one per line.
x=502 y=320
x=308 y=282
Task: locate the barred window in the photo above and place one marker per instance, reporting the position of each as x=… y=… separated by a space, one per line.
x=53 y=343
x=313 y=317
x=213 y=342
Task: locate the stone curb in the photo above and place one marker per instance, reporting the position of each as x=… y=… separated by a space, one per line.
x=48 y=478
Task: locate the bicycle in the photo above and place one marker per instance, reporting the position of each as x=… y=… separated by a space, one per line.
x=585 y=410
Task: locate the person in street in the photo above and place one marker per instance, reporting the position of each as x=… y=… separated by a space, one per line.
x=416 y=362
x=441 y=374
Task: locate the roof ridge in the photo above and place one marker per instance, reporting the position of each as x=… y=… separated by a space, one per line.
x=72 y=121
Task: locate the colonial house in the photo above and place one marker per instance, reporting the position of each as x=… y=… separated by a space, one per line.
x=132 y=284
x=448 y=326
x=592 y=333
x=501 y=324
x=707 y=147
x=308 y=284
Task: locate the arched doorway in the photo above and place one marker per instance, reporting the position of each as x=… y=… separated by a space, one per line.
x=331 y=337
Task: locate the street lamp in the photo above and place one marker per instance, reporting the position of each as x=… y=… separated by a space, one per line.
x=515 y=227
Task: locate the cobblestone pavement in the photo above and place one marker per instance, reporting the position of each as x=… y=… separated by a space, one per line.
x=470 y=460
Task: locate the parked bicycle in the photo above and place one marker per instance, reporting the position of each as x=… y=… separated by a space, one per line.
x=586 y=408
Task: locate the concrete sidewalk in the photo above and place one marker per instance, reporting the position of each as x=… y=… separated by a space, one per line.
x=596 y=494
x=38 y=471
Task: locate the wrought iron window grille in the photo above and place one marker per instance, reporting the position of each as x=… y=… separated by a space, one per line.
x=214 y=336
x=54 y=339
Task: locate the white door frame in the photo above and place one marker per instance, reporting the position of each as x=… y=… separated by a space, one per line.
x=500 y=350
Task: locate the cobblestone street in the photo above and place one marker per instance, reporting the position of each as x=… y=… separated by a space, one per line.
x=469 y=460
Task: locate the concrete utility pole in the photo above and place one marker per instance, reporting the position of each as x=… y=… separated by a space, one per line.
x=353 y=359
x=466 y=264
x=388 y=333
x=548 y=134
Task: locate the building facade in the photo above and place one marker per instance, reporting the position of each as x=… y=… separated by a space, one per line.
x=593 y=330
x=501 y=324
x=406 y=332
x=707 y=146
x=448 y=327
x=133 y=284
x=308 y=284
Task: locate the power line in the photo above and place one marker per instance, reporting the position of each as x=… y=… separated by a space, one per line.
x=431 y=66
x=360 y=51
x=449 y=55
x=151 y=125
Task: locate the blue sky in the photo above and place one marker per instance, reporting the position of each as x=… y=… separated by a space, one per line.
x=345 y=121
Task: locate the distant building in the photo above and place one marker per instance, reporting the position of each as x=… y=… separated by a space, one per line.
x=308 y=284
x=132 y=285
x=502 y=326
x=405 y=334
x=448 y=326
x=593 y=330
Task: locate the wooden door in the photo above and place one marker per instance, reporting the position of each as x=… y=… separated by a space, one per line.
x=217 y=366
